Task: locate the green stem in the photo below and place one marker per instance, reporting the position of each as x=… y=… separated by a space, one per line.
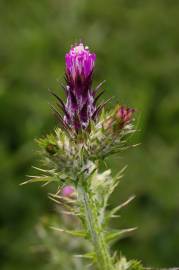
x=103 y=258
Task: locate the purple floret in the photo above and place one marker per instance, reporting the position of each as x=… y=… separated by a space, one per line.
x=79 y=62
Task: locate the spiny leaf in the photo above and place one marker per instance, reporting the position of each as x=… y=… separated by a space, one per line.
x=99 y=85
x=71 y=210
x=35 y=179
x=120 y=173
x=89 y=255
x=82 y=234
x=70 y=213
x=43 y=170
x=58 y=98
x=98 y=96
x=114 y=235
x=119 y=207
x=58 y=197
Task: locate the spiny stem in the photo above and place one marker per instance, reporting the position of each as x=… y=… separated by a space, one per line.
x=103 y=258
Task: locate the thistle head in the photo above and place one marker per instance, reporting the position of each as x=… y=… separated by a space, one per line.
x=80 y=105
x=79 y=62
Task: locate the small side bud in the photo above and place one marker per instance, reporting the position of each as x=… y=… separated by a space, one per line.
x=124 y=115
x=68 y=191
x=119 y=119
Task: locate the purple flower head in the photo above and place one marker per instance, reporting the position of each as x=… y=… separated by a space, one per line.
x=68 y=191
x=80 y=106
x=124 y=115
x=79 y=62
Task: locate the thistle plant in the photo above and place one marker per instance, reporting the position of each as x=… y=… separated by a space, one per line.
x=87 y=134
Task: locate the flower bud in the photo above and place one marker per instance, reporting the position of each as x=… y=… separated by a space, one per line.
x=80 y=106
x=68 y=191
x=124 y=115
x=120 y=117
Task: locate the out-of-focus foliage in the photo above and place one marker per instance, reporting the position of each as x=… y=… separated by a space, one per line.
x=58 y=249
x=137 y=46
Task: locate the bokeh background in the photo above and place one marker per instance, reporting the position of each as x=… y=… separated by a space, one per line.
x=137 y=46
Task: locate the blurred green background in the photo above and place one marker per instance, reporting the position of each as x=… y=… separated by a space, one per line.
x=137 y=46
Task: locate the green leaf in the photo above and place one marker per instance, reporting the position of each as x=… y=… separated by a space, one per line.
x=41 y=178
x=119 y=207
x=118 y=234
x=89 y=255
x=82 y=234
